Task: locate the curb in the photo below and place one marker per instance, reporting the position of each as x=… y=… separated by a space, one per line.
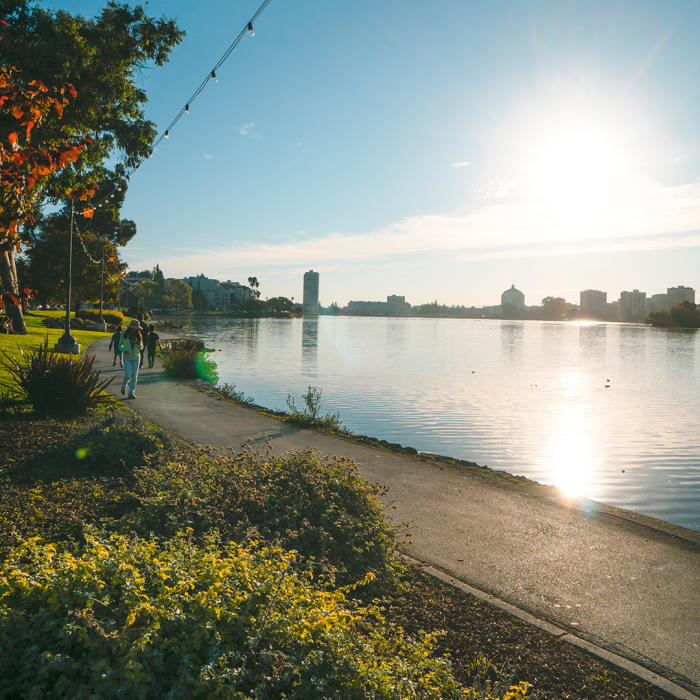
x=641 y=672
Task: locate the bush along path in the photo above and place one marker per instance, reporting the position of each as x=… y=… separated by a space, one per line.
x=619 y=579
x=176 y=569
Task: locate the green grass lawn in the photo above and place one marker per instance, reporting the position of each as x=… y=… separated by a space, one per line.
x=36 y=334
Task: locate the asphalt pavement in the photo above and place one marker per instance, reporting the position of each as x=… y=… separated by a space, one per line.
x=623 y=581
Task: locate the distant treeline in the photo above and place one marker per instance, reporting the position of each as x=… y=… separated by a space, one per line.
x=685 y=315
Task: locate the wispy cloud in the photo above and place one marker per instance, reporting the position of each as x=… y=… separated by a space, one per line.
x=658 y=217
x=248 y=129
x=208 y=156
x=461 y=164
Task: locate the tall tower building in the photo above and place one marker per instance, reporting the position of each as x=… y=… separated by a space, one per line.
x=310 y=292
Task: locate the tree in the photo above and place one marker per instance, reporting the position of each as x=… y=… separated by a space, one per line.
x=178 y=295
x=199 y=301
x=151 y=294
x=684 y=315
x=158 y=277
x=255 y=286
x=553 y=308
x=25 y=168
x=94 y=61
x=46 y=265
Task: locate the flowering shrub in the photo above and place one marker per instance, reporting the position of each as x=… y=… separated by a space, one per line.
x=115 y=318
x=316 y=505
x=139 y=618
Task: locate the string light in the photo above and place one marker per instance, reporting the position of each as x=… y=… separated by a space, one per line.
x=186 y=109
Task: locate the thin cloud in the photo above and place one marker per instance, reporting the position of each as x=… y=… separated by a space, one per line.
x=208 y=156
x=248 y=129
x=659 y=217
x=461 y=164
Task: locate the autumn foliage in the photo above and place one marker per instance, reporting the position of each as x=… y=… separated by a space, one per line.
x=24 y=166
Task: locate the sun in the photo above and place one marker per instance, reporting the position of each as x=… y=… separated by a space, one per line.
x=577 y=169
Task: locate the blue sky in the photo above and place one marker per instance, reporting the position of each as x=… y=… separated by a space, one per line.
x=439 y=150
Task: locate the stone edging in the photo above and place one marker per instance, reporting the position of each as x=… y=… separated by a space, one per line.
x=645 y=674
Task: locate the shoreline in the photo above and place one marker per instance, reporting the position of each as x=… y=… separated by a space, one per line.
x=500 y=477
x=606 y=575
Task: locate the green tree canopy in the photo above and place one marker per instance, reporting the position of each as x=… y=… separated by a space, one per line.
x=100 y=58
x=178 y=295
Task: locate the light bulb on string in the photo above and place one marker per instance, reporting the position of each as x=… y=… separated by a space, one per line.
x=213 y=77
x=187 y=109
x=166 y=134
x=250 y=29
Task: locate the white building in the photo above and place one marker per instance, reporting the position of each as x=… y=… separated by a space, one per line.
x=514 y=297
x=633 y=305
x=594 y=304
x=220 y=295
x=677 y=295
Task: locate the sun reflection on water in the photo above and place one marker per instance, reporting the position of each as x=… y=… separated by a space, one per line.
x=570 y=460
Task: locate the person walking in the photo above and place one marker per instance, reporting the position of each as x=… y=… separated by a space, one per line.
x=114 y=343
x=131 y=345
x=143 y=327
x=152 y=344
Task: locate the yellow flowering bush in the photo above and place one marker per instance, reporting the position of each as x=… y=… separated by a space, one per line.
x=130 y=617
x=319 y=506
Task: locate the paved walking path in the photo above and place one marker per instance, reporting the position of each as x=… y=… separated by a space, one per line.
x=628 y=583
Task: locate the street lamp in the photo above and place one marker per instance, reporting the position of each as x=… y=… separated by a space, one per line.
x=67 y=343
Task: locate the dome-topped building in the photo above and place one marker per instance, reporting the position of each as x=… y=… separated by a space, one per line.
x=514 y=297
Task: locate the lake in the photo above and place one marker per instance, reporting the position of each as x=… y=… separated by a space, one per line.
x=606 y=411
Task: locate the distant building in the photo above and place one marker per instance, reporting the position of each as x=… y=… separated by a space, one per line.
x=311 y=292
x=633 y=305
x=677 y=295
x=594 y=304
x=657 y=302
x=220 y=295
x=397 y=305
x=514 y=297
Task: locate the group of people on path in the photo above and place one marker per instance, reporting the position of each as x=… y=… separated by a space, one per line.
x=129 y=346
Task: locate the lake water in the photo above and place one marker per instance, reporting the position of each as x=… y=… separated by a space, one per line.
x=526 y=397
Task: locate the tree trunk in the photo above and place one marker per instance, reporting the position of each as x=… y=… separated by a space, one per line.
x=8 y=274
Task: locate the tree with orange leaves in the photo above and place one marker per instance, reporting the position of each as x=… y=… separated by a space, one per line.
x=49 y=153
x=24 y=167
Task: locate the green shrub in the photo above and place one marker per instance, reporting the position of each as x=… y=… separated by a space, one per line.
x=311 y=415
x=55 y=383
x=116 y=318
x=188 y=360
x=136 y=618
x=319 y=506
x=118 y=441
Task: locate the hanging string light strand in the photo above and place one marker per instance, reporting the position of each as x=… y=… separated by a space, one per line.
x=211 y=76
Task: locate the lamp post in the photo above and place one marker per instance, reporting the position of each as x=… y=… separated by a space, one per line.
x=101 y=325
x=67 y=343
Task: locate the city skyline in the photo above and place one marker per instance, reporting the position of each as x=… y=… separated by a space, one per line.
x=484 y=143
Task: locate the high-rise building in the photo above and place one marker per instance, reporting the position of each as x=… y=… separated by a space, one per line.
x=594 y=304
x=677 y=295
x=310 y=292
x=656 y=303
x=633 y=305
x=514 y=297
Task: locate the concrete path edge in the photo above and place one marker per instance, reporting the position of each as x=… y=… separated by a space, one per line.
x=641 y=672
